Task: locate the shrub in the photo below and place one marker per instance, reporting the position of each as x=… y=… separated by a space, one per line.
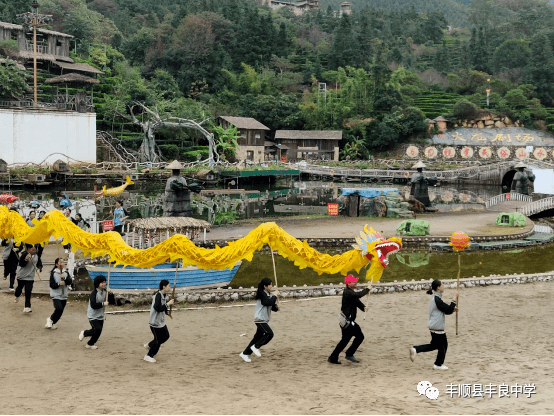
x=169 y=151
x=464 y=109
x=192 y=155
x=9 y=47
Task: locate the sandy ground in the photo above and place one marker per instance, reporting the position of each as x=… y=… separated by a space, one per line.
x=442 y=224
x=505 y=338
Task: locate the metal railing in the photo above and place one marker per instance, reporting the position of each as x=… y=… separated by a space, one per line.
x=512 y=196
x=537 y=206
x=459 y=173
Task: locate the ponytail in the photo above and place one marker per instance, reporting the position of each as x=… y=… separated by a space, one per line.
x=434 y=286
x=261 y=287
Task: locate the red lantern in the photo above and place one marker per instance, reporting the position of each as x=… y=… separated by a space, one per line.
x=459 y=241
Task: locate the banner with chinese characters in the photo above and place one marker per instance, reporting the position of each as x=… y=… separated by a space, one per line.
x=509 y=136
x=332 y=208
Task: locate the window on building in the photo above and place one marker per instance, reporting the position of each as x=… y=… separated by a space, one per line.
x=13 y=36
x=250 y=155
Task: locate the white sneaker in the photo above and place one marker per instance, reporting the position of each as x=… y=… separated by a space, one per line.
x=15 y=300
x=27 y=310
x=12 y=289
x=245 y=357
x=442 y=367
x=66 y=251
x=256 y=351
x=149 y=359
x=54 y=326
x=81 y=335
x=91 y=347
x=413 y=354
x=147 y=347
x=49 y=323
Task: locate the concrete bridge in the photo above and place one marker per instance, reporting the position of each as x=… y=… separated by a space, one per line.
x=494 y=173
x=519 y=203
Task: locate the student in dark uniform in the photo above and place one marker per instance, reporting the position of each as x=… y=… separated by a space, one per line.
x=10 y=258
x=26 y=275
x=59 y=282
x=350 y=304
x=97 y=302
x=158 y=310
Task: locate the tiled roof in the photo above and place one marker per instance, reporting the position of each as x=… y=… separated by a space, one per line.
x=244 y=123
x=41 y=30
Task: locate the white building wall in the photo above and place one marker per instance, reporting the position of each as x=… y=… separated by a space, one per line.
x=46 y=136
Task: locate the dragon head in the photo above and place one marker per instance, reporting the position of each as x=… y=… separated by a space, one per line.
x=374 y=246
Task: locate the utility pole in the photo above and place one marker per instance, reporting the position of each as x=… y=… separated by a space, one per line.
x=488 y=90
x=33 y=20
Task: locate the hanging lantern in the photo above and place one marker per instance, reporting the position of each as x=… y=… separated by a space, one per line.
x=459 y=241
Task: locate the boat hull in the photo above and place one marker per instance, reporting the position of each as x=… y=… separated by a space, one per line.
x=188 y=277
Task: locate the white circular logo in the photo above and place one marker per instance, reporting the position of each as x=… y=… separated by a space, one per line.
x=422 y=386
x=432 y=393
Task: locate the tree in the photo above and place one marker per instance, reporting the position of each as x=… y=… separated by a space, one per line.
x=355 y=149
x=276 y=112
x=540 y=70
x=152 y=120
x=12 y=80
x=134 y=48
x=227 y=141
x=511 y=54
x=464 y=109
x=343 y=49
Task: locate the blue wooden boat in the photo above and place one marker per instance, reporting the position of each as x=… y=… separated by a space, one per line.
x=190 y=277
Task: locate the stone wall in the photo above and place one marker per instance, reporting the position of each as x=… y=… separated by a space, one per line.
x=217 y=296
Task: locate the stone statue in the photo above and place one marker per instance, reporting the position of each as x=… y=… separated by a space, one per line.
x=177 y=193
x=420 y=184
x=522 y=180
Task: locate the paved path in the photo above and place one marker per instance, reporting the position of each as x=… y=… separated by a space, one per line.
x=473 y=223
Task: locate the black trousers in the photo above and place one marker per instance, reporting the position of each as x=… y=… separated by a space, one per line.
x=118 y=229
x=439 y=343
x=10 y=267
x=263 y=335
x=59 y=306
x=95 y=331
x=161 y=335
x=28 y=285
x=347 y=333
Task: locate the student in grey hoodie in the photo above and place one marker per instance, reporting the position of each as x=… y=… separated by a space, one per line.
x=26 y=275
x=265 y=303
x=158 y=310
x=97 y=302
x=9 y=256
x=59 y=281
x=437 y=311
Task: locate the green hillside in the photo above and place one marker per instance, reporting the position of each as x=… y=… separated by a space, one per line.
x=455 y=11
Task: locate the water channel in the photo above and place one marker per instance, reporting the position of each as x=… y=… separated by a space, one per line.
x=292 y=197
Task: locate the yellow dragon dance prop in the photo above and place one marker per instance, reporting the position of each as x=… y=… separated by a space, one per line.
x=118 y=189
x=179 y=247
